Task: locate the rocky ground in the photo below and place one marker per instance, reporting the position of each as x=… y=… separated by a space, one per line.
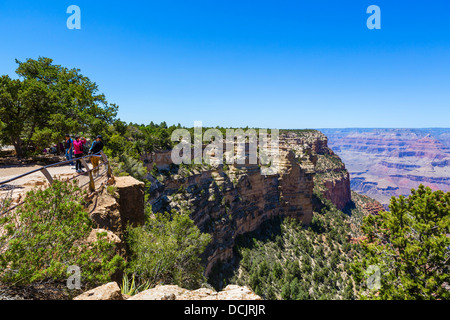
x=111 y=291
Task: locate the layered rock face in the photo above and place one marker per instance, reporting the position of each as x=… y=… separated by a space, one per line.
x=337 y=190
x=331 y=177
x=230 y=200
x=390 y=162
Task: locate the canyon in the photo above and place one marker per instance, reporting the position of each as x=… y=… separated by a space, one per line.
x=390 y=162
x=231 y=200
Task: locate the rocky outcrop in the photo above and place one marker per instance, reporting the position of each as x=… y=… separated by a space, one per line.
x=111 y=291
x=331 y=177
x=131 y=200
x=161 y=159
x=233 y=292
x=122 y=205
x=230 y=200
x=110 y=236
x=374 y=207
x=104 y=211
x=227 y=201
x=337 y=190
x=167 y=292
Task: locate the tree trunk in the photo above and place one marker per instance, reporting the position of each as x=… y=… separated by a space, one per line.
x=18 y=147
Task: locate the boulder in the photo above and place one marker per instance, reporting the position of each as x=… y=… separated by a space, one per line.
x=168 y=292
x=234 y=292
x=172 y=292
x=109 y=291
x=199 y=294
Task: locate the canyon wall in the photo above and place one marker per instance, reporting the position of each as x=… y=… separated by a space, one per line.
x=229 y=200
x=331 y=177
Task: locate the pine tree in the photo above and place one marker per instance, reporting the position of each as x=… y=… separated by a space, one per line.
x=410 y=246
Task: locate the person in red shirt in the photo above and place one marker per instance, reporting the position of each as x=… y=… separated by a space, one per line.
x=78 y=151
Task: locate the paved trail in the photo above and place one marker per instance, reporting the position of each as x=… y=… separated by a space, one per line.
x=28 y=182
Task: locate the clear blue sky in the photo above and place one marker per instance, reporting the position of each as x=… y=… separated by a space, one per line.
x=284 y=64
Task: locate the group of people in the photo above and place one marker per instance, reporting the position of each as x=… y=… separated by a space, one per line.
x=77 y=147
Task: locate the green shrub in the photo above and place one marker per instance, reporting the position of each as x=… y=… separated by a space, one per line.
x=47 y=234
x=167 y=250
x=410 y=245
x=127 y=165
x=132 y=288
x=112 y=190
x=290 y=250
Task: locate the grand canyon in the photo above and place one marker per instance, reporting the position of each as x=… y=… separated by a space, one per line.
x=212 y=150
x=390 y=162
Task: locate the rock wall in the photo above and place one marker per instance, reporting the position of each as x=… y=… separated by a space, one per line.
x=331 y=177
x=337 y=190
x=131 y=200
x=114 y=210
x=227 y=201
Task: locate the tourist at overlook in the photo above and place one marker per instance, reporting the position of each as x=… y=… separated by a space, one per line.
x=78 y=150
x=68 y=147
x=96 y=147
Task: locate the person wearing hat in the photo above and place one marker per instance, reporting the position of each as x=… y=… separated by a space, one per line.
x=96 y=147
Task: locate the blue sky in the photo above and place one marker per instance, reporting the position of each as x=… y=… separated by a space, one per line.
x=276 y=64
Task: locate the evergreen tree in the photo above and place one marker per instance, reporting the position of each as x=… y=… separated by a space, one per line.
x=410 y=246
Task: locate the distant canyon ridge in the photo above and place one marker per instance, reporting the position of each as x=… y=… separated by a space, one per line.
x=390 y=162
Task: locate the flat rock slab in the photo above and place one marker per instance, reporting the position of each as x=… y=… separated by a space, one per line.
x=109 y=291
